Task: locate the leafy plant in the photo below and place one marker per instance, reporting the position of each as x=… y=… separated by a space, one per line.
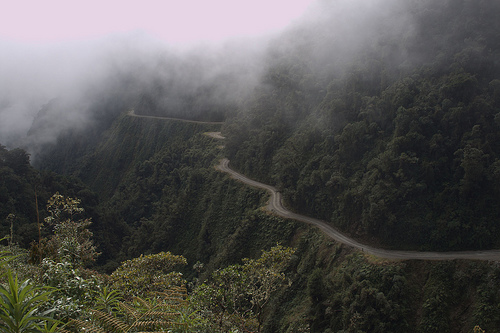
x=75 y=291
x=168 y=311
x=235 y=297
x=72 y=240
x=146 y=275
x=107 y=300
x=5 y=257
x=20 y=306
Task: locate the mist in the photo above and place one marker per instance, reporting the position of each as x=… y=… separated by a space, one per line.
x=49 y=89
x=333 y=33
x=33 y=75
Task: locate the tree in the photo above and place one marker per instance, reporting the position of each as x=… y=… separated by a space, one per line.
x=16 y=159
x=66 y=253
x=72 y=240
x=74 y=287
x=236 y=296
x=146 y=275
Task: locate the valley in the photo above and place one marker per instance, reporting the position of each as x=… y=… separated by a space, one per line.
x=342 y=175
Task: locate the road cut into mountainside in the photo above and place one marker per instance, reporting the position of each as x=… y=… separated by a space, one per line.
x=275 y=206
x=133 y=114
x=215 y=135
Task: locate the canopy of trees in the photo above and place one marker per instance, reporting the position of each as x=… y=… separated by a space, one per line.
x=402 y=145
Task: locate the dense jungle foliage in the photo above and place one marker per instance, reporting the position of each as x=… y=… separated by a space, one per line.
x=22 y=187
x=401 y=147
x=396 y=144
x=316 y=286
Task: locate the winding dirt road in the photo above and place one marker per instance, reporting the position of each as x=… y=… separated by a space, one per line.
x=133 y=114
x=275 y=205
x=215 y=135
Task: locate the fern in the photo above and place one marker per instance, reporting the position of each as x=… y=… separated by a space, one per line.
x=84 y=326
x=141 y=315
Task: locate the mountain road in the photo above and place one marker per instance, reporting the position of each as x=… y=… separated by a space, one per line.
x=275 y=206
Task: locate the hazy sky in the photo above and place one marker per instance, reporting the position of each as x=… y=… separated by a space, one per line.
x=174 y=21
x=60 y=48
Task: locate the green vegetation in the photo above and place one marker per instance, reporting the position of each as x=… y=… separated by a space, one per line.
x=24 y=191
x=19 y=306
x=236 y=296
x=396 y=145
x=155 y=297
x=400 y=146
x=317 y=286
x=146 y=276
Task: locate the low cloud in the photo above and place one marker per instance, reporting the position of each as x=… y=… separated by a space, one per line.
x=55 y=87
x=51 y=89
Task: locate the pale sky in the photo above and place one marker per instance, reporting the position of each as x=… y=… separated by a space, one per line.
x=174 y=21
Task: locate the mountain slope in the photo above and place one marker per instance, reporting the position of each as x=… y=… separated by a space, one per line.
x=401 y=148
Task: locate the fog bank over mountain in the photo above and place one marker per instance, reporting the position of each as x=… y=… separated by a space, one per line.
x=117 y=70
x=33 y=75
x=94 y=79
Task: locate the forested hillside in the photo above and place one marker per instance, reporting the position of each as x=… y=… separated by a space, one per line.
x=401 y=147
x=382 y=119
x=165 y=193
x=22 y=187
x=175 y=200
